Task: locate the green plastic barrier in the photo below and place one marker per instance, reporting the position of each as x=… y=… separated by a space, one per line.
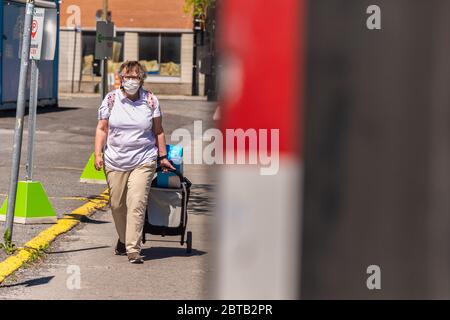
x=90 y=175
x=32 y=204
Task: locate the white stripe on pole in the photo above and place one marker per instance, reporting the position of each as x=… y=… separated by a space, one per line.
x=258 y=233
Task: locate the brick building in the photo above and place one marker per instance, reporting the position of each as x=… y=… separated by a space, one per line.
x=156 y=32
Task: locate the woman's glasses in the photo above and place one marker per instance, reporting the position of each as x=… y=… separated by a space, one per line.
x=127 y=78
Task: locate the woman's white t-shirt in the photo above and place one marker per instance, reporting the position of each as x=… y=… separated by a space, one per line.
x=131 y=141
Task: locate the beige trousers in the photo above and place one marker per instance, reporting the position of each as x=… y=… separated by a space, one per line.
x=128 y=191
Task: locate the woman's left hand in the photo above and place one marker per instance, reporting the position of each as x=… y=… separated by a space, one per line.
x=165 y=165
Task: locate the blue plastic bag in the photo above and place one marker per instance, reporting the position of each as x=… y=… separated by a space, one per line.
x=170 y=179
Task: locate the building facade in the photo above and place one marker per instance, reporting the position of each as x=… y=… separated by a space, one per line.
x=158 y=33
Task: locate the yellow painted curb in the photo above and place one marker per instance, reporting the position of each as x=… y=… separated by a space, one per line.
x=43 y=239
x=61 y=198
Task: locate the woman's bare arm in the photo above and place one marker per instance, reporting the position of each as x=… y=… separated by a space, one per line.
x=101 y=134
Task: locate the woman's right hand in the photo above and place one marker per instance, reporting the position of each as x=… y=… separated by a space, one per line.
x=98 y=163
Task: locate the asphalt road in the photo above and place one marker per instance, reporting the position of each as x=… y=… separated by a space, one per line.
x=63 y=145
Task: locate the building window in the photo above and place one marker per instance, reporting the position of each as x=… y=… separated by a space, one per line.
x=88 y=51
x=149 y=52
x=148 y=47
x=161 y=53
x=118 y=49
x=91 y=66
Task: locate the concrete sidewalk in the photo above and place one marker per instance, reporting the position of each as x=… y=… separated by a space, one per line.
x=64 y=143
x=167 y=273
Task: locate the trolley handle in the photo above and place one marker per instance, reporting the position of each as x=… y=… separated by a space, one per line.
x=179 y=174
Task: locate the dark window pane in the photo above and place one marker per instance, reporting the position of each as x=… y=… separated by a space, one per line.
x=149 y=52
x=117 y=55
x=88 y=40
x=171 y=48
x=119 y=36
x=148 y=46
x=170 y=55
x=88 y=46
x=88 y=51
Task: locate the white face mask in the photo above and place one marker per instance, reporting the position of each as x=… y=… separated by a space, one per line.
x=131 y=86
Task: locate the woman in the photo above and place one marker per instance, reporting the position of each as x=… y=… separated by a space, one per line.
x=130 y=131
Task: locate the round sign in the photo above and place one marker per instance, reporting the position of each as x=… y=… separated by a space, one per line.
x=34 y=28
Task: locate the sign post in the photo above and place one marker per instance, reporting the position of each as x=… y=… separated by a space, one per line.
x=104 y=49
x=42 y=47
x=37 y=27
x=27 y=201
x=104 y=40
x=77 y=30
x=37 y=31
x=18 y=132
x=32 y=110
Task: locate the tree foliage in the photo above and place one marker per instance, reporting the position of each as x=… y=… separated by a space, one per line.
x=199 y=8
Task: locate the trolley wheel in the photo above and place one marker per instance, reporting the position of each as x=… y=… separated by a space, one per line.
x=189 y=242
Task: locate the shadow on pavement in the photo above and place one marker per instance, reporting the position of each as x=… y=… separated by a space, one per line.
x=164 y=252
x=200 y=199
x=84 y=219
x=40 y=110
x=30 y=283
x=77 y=250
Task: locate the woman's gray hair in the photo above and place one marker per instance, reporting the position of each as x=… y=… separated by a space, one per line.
x=133 y=65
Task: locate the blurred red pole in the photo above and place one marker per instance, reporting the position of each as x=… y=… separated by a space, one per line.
x=266 y=39
x=261 y=44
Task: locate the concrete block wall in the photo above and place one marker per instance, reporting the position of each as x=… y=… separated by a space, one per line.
x=131 y=46
x=68 y=51
x=187 y=51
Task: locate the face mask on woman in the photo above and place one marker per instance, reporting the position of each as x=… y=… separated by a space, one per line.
x=131 y=86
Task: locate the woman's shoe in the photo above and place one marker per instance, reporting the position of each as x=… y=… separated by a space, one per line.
x=135 y=257
x=121 y=250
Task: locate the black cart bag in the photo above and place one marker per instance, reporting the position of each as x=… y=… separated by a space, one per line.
x=166 y=213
